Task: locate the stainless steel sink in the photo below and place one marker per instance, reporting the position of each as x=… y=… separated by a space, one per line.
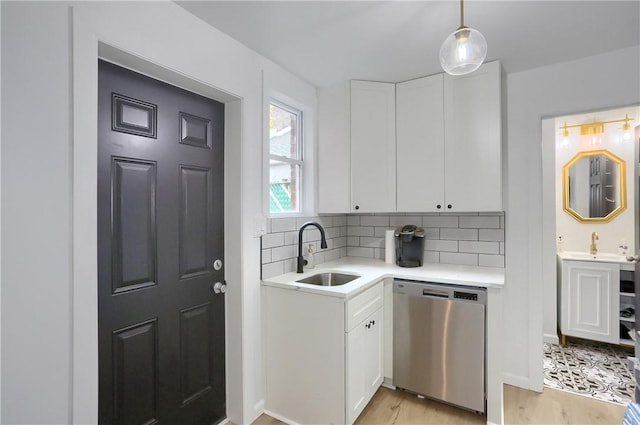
x=329 y=279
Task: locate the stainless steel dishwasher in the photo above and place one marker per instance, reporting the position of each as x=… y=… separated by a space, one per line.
x=439 y=342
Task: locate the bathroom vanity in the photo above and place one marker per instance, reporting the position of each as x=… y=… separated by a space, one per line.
x=596 y=297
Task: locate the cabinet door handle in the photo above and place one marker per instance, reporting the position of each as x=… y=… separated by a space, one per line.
x=438 y=206
x=357 y=207
x=373 y=322
x=449 y=206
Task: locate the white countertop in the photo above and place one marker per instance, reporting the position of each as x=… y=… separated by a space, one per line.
x=601 y=257
x=372 y=271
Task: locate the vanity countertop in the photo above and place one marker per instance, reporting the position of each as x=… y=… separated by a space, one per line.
x=601 y=257
x=372 y=271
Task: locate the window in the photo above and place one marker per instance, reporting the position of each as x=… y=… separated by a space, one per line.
x=285 y=159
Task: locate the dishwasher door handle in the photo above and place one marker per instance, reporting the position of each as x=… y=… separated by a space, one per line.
x=432 y=293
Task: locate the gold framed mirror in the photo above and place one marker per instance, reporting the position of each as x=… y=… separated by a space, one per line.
x=594 y=186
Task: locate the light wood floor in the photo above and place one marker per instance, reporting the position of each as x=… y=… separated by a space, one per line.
x=520 y=407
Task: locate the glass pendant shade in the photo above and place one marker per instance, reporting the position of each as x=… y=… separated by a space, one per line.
x=463 y=51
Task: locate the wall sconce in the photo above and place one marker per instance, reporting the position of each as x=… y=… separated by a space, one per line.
x=595 y=128
x=626 y=128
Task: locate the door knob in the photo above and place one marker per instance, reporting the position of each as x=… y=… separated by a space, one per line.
x=219 y=288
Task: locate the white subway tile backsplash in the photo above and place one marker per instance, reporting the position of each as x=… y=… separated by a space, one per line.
x=359 y=231
x=332 y=232
x=356 y=251
x=381 y=232
x=290 y=265
x=459 y=258
x=485 y=260
x=372 y=242
x=266 y=256
x=283 y=252
x=397 y=221
x=283 y=224
x=272 y=269
x=431 y=257
x=491 y=235
x=353 y=240
x=450 y=238
x=440 y=221
x=480 y=222
x=290 y=238
x=440 y=245
x=374 y=220
x=319 y=257
x=340 y=242
x=479 y=247
x=432 y=232
x=353 y=220
x=332 y=254
x=339 y=220
x=459 y=234
x=311 y=234
x=272 y=239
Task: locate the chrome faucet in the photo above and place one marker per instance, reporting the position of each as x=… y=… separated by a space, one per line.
x=593 y=249
x=323 y=243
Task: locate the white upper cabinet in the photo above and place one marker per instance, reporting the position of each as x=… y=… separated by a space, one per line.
x=449 y=142
x=473 y=142
x=428 y=145
x=334 y=152
x=420 y=145
x=373 y=147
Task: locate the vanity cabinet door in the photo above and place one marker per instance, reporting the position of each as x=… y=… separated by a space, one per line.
x=590 y=301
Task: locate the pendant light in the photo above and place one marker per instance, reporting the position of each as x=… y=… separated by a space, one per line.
x=464 y=50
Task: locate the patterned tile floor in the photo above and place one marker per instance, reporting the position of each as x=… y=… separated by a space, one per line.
x=591 y=369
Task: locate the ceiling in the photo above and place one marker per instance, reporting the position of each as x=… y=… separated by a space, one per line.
x=326 y=42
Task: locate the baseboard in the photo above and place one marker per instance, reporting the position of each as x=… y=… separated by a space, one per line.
x=388 y=383
x=515 y=380
x=280 y=418
x=551 y=339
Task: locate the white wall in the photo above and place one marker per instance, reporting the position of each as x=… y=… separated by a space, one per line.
x=36 y=213
x=576 y=235
x=594 y=83
x=38 y=291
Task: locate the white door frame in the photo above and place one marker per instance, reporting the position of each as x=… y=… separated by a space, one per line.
x=87 y=48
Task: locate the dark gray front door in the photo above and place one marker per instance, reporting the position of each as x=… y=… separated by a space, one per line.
x=160 y=229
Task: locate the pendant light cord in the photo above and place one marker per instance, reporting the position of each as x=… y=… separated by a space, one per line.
x=461 y=13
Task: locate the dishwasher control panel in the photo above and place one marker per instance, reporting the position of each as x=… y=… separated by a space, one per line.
x=465 y=296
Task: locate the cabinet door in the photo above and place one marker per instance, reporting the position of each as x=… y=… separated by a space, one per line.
x=334 y=149
x=364 y=363
x=374 y=365
x=420 y=145
x=590 y=300
x=473 y=147
x=373 y=147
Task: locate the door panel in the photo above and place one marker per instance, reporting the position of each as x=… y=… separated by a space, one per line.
x=136 y=373
x=160 y=228
x=194 y=250
x=134 y=224
x=195 y=346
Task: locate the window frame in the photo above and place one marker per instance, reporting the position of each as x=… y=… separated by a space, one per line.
x=300 y=162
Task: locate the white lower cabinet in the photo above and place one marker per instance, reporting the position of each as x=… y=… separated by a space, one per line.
x=364 y=363
x=589 y=300
x=324 y=354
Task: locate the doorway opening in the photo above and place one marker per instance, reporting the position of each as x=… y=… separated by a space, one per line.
x=85 y=307
x=590 y=197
